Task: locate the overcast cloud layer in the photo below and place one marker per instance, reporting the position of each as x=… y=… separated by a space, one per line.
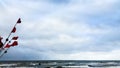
x=62 y=29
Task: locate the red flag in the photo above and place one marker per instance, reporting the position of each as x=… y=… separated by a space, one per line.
x=7 y=46
x=19 y=20
x=15 y=38
x=13 y=30
x=15 y=43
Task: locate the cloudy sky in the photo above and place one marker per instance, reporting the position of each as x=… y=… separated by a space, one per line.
x=62 y=29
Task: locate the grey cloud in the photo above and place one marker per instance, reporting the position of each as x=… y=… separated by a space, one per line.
x=48 y=29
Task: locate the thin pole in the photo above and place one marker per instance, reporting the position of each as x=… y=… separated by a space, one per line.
x=7 y=39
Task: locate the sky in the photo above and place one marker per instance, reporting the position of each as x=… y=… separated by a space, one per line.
x=62 y=29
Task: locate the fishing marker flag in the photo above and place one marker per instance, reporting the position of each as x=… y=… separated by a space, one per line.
x=15 y=38
x=15 y=43
x=7 y=46
x=19 y=20
x=13 y=30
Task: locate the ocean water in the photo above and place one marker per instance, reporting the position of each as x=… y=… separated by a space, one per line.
x=60 y=64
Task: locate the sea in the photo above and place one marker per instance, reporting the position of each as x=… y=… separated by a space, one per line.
x=61 y=64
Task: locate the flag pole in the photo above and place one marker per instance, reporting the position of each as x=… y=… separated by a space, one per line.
x=7 y=39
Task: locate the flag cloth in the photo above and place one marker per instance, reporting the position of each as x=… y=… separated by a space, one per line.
x=15 y=38
x=15 y=43
x=13 y=30
x=19 y=20
x=7 y=46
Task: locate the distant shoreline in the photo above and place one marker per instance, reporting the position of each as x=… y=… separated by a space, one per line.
x=59 y=60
